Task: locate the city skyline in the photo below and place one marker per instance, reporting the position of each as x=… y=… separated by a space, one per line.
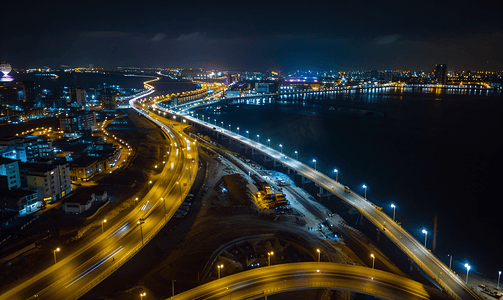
x=264 y=36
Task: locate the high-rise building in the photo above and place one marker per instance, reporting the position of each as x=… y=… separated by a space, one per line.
x=75 y=123
x=9 y=174
x=441 y=74
x=78 y=95
x=388 y=75
x=108 y=98
x=51 y=181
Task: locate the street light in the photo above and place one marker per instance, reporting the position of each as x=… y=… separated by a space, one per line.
x=173 y=287
x=319 y=253
x=142 y=295
x=230 y=128
x=336 y=175
x=57 y=250
x=238 y=130
x=373 y=260
x=314 y=160
x=499 y=275
x=281 y=147
x=467 y=266
x=134 y=202
x=269 y=257
x=222 y=124
x=149 y=184
x=365 y=187
x=247 y=134
x=296 y=155
x=258 y=138
x=102 y=223
x=269 y=142
x=450 y=261
x=164 y=202
x=177 y=183
x=393 y=206
x=425 y=236
x=141 y=221
x=219 y=267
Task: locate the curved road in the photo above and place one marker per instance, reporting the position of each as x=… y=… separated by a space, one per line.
x=257 y=283
x=100 y=254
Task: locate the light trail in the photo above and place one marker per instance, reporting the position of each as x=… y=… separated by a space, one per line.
x=95 y=266
x=119 y=232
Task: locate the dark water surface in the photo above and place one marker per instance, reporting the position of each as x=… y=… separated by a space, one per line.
x=428 y=153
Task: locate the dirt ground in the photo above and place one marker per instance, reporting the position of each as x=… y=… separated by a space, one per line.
x=56 y=229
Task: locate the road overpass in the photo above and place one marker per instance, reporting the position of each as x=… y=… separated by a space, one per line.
x=99 y=254
x=260 y=282
x=427 y=261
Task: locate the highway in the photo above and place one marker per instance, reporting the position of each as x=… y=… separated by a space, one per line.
x=257 y=283
x=99 y=255
x=427 y=261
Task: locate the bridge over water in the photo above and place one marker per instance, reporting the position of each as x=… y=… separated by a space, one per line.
x=427 y=261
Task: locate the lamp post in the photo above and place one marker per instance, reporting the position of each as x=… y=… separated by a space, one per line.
x=215 y=121
x=173 y=287
x=142 y=295
x=425 y=236
x=238 y=130
x=57 y=250
x=230 y=128
x=365 y=187
x=222 y=124
x=373 y=260
x=141 y=221
x=336 y=175
x=150 y=184
x=499 y=275
x=314 y=160
x=393 y=206
x=296 y=155
x=177 y=183
x=319 y=254
x=269 y=257
x=134 y=202
x=269 y=142
x=467 y=266
x=247 y=134
x=281 y=147
x=258 y=138
x=102 y=223
x=164 y=202
x=219 y=268
x=450 y=261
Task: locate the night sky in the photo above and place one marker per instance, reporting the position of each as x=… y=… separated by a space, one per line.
x=254 y=35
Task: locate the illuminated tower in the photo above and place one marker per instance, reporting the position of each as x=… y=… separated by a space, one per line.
x=5 y=68
x=441 y=74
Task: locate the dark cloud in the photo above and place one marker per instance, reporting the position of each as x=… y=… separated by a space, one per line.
x=158 y=37
x=389 y=39
x=106 y=34
x=323 y=35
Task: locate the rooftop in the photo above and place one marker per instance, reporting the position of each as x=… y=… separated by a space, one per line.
x=5 y=160
x=16 y=193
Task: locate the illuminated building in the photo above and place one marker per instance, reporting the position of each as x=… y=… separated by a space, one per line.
x=441 y=74
x=51 y=181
